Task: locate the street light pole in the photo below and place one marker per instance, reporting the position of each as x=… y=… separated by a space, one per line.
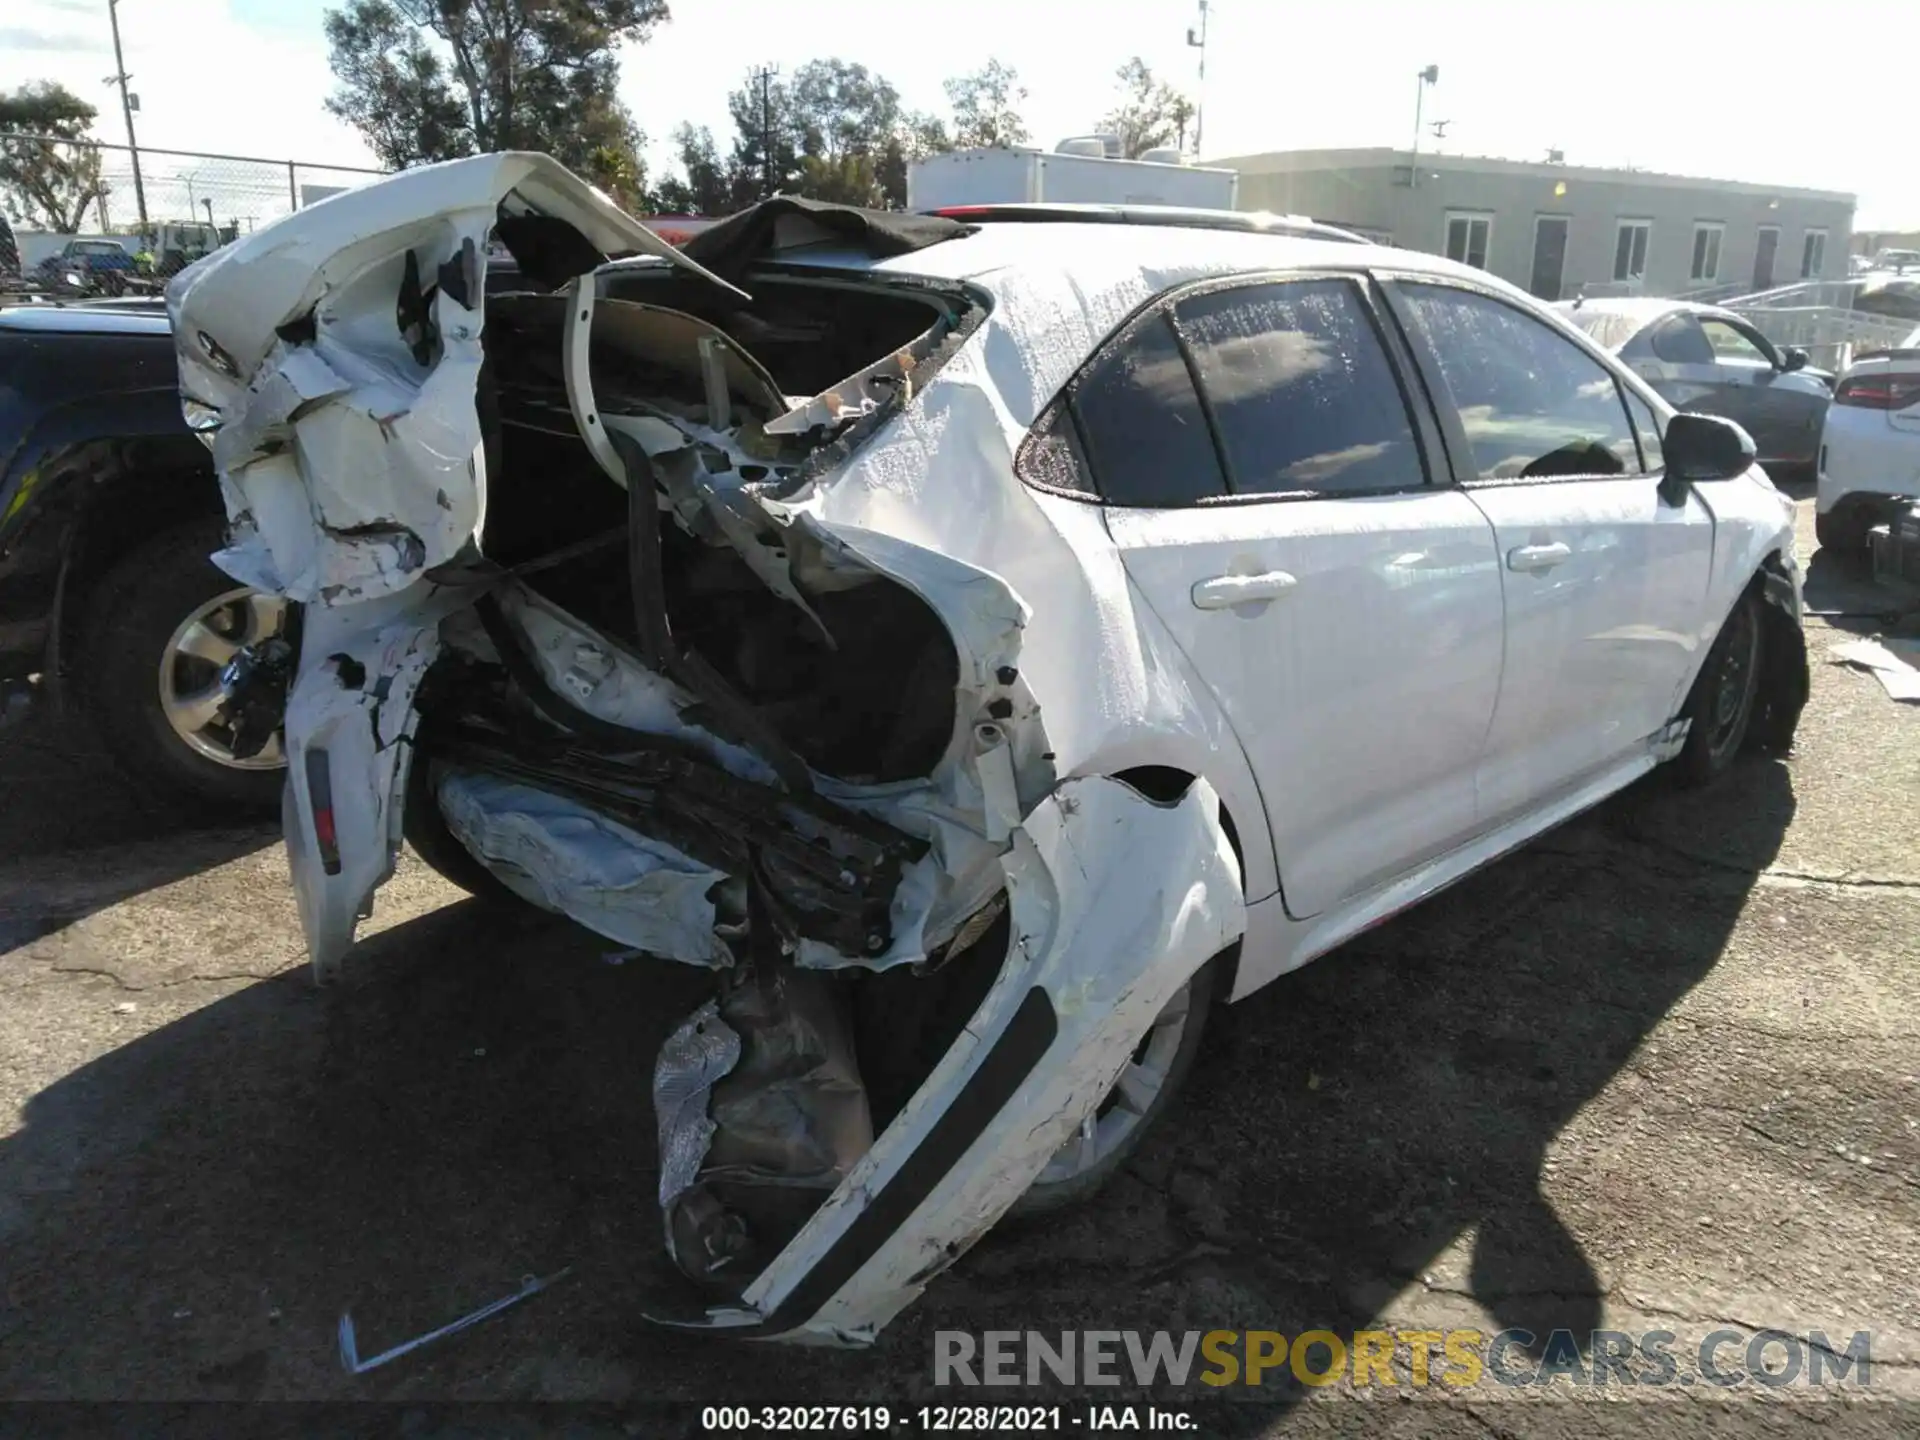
x=1428 y=76
x=120 y=77
x=1199 y=41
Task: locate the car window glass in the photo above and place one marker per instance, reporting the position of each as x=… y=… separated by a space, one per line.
x=1301 y=389
x=1532 y=402
x=1050 y=456
x=1732 y=347
x=1678 y=341
x=1647 y=423
x=1141 y=422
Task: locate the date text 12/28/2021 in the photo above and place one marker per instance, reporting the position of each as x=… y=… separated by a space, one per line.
x=958 y=1419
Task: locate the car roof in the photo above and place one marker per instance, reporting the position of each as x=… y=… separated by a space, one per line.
x=1638 y=312
x=1059 y=290
x=126 y=317
x=1174 y=251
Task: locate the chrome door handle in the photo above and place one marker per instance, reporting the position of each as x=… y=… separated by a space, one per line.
x=1223 y=591
x=1538 y=557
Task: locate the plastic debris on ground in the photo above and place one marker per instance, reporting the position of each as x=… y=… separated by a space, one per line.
x=1894 y=663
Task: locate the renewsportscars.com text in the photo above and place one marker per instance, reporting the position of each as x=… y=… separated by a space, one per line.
x=1456 y=1359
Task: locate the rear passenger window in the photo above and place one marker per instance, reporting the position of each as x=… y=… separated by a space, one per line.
x=1141 y=422
x=1679 y=340
x=1050 y=456
x=1532 y=402
x=1301 y=389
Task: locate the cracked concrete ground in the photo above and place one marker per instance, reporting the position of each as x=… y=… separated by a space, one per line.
x=1657 y=1071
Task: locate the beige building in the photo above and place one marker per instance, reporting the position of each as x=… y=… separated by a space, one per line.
x=1556 y=229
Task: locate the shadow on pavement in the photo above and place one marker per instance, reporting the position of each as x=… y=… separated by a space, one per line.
x=61 y=793
x=1840 y=589
x=1352 y=1122
x=189 y=1215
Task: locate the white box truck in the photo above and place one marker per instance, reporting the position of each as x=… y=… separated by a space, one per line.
x=1065 y=177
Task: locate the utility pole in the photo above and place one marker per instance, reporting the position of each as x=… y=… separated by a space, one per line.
x=1198 y=39
x=1428 y=76
x=765 y=75
x=127 y=104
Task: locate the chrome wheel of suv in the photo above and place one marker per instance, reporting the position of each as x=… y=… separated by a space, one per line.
x=190 y=668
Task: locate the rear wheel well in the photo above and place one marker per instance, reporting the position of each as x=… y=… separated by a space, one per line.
x=1166 y=784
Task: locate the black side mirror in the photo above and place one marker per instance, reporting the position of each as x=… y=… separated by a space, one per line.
x=1793 y=358
x=1702 y=447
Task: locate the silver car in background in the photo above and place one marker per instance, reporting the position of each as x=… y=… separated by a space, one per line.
x=1714 y=362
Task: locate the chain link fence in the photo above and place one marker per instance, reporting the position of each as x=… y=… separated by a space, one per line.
x=192 y=201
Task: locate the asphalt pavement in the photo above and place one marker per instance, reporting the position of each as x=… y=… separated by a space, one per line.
x=1659 y=1070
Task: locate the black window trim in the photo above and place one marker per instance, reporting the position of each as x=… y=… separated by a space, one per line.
x=1467 y=475
x=1429 y=438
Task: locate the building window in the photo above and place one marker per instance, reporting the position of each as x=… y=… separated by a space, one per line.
x=1706 y=252
x=1630 y=249
x=1813 y=255
x=1468 y=237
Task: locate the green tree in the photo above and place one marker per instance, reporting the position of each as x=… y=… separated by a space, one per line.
x=52 y=184
x=986 y=107
x=767 y=141
x=703 y=186
x=1151 y=112
x=431 y=80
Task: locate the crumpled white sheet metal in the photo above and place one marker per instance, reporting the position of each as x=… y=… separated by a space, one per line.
x=348 y=465
x=1110 y=684
x=566 y=870
x=352 y=701
x=1117 y=901
x=563 y=857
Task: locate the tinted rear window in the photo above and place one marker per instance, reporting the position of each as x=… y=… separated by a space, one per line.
x=1301 y=389
x=1140 y=417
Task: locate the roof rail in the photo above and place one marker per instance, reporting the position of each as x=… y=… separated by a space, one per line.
x=1261 y=222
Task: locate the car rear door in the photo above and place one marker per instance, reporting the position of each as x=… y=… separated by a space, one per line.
x=1268 y=484
x=1604 y=580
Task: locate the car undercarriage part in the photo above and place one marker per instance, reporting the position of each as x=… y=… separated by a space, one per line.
x=762 y=1113
x=803 y=658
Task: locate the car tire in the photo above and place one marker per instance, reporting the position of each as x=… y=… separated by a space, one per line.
x=126 y=635
x=1841 y=532
x=1721 y=704
x=1081 y=1183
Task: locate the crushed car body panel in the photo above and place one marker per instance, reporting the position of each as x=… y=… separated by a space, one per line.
x=619 y=769
x=349 y=446
x=1117 y=901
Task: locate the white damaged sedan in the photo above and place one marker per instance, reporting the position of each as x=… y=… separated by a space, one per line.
x=982 y=645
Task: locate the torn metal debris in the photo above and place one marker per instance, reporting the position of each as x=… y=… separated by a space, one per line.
x=350 y=1358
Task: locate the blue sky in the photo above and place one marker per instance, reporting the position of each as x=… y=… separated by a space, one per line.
x=1711 y=87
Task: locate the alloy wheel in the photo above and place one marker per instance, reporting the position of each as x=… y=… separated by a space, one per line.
x=1132 y=1096
x=190 y=668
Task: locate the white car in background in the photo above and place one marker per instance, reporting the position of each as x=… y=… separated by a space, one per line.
x=981 y=646
x=1870 y=446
